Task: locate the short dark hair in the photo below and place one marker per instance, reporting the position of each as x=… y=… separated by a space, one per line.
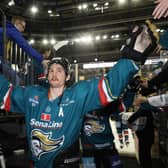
x=64 y=62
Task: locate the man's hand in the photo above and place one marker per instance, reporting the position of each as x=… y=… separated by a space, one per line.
x=161 y=9
x=134 y=84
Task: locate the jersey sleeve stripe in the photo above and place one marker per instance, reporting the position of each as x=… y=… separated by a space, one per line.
x=105 y=92
x=6 y=101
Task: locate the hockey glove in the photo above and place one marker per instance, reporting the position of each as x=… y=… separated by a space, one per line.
x=141 y=43
x=135 y=84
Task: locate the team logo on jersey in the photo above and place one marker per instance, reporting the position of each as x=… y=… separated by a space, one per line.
x=42 y=143
x=34 y=100
x=67 y=102
x=92 y=127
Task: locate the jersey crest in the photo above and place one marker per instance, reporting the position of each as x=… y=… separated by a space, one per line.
x=42 y=143
x=92 y=127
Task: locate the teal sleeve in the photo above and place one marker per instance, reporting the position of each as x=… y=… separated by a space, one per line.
x=111 y=87
x=11 y=98
x=102 y=91
x=128 y=99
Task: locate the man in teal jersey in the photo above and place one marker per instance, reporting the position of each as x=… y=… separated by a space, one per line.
x=54 y=115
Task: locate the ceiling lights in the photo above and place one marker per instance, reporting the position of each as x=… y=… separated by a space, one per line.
x=87 y=39
x=101 y=6
x=34 y=9
x=96 y=6
x=31 y=41
x=11 y=3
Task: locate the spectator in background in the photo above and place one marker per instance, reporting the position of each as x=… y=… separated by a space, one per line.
x=13 y=32
x=46 y=52
x=142 y=122
x=156 y=101
x=41 y=69
x=153 y=85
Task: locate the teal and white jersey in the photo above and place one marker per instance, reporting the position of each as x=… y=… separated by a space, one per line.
x=52 y=126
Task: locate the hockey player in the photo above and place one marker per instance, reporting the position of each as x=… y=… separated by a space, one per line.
x=54 y=116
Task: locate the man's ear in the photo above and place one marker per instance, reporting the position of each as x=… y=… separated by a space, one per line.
x=68 y=77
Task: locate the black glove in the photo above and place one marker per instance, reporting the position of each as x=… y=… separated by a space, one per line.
x=141 y=43
x=134 y=84
x=146 y=91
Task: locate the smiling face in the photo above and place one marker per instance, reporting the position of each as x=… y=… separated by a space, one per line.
x=57 y=76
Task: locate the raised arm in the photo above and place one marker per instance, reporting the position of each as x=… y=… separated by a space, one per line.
x=139 y=46
x=158 y=101
x=17 y=37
